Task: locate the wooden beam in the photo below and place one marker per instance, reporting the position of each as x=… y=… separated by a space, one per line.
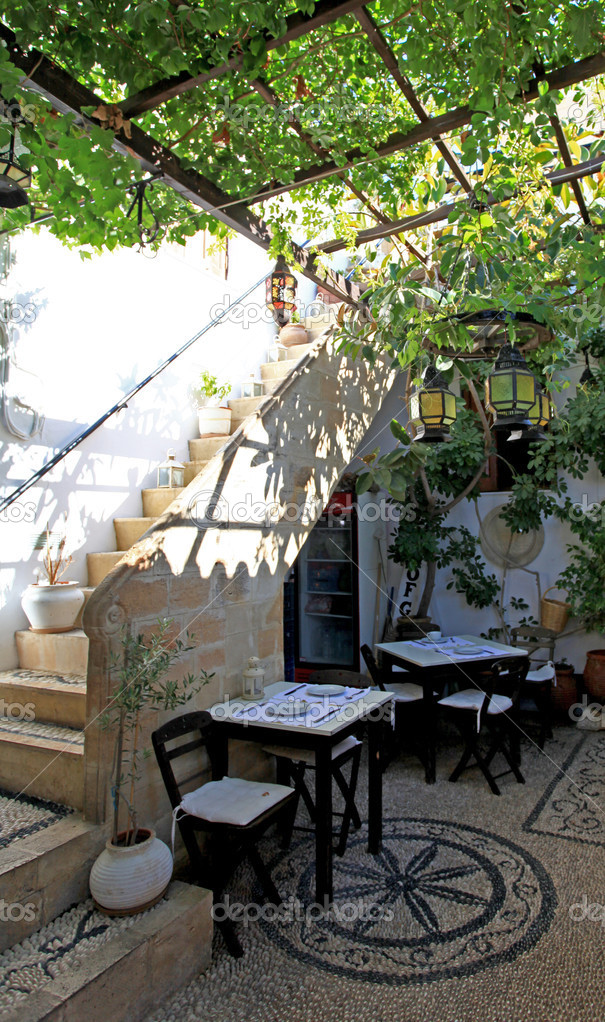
x=433 y=216
x=297 y=25
x=389 y=60
x=562 y=78
x=568 y=162
x=69 y=96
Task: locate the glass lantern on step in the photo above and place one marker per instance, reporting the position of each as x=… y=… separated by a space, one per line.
x=252 y=387
x=254 y=679
x=171 y=473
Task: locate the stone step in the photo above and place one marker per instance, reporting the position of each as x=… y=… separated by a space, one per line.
x=99 y=565
x=129 y=530
x=242 y=407
x=59 y=652
x=44 y=697
x=45 y=862
x=155 y=501
x=276 y=370
x=204 y=448
x=297 y=351
x=44 y=760
x=193 y=468
x=115 y=969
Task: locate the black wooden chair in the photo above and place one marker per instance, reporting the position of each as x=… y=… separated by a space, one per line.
x=492 y=707
x=537 y=687
x=229 y=842
x=292 y=764
x=407 y=705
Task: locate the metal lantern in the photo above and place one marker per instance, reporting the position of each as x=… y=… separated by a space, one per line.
x=510 y=391
x=432 y=408
x=539 y=415
x=252 y=387
x=254 y=677
x=14 y=178
x=171 y=472
x=281 y=292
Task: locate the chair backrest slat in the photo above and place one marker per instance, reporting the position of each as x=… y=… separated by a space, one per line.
x=188 y=723
x=336 y=676
x=375 y=673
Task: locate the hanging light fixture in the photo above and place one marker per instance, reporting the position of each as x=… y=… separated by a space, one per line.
x=432 y=408
x=281 y=292
x=588 y=378
x=510 y=391
x=14 y=178
x=539 y=415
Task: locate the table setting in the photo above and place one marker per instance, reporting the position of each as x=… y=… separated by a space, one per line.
x=306 y=705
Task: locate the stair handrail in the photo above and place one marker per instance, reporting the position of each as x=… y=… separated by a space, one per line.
x=122 y=403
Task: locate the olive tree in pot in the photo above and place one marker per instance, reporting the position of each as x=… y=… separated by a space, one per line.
x=214 y=417
x=134 y=869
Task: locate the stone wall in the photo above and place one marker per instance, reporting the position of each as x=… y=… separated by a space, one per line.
x=215 y=561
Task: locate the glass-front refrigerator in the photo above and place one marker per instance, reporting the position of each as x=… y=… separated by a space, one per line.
x=326 y=592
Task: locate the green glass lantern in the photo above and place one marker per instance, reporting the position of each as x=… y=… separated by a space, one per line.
x=510 y=391
x=432 y=408
x=14 y=179
x=539 y=415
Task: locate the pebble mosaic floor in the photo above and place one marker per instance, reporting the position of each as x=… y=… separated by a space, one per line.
x=22 y=815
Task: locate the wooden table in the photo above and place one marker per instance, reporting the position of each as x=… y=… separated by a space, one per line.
x=371 y=710
x=428 y=666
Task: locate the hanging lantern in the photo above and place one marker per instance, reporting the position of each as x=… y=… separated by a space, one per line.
x=510 y=391
x=539 y=415
x=14 y=179
x=171 y=472
x=281 y=292
x=432 y=408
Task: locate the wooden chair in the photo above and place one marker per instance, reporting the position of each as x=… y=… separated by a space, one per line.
x=229 y=842
x=493 y=706
x=292 y=764
x=407 y=703
x=537 y=687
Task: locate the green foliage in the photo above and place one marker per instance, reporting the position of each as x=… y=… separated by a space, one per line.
x=208 y=386
x=142 y=684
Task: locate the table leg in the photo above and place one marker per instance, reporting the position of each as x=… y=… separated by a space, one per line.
x=429 y=724
x=376 y=735
x=323 y=827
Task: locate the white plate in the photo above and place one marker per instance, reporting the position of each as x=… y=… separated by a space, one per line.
x=466 y=649
x=325 y=690
x=290 y=708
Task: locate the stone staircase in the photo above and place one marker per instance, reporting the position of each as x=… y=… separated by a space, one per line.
x=43 y=701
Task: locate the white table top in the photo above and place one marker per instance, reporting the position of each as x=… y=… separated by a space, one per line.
x=408 y=652
x=351 y=712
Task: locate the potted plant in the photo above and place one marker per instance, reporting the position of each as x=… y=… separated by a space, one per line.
x=134 y=869
x=52 y=605
x=214 y=417
x=564 y=693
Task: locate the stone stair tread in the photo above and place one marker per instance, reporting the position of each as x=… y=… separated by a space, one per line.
x=244 y=405
x=140 y=518
x=48 y=736
x=26 y=678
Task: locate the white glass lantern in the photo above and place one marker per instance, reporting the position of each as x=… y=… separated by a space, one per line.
x=276 y=353
x=254 y=678
x=252 y=387
x=171 y=472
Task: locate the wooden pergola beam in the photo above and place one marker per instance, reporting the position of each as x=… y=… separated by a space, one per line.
x=67 y=95
x=433 y=216
x=562 y=78
x=389 y=60
x=568 y=162
x=297 y=25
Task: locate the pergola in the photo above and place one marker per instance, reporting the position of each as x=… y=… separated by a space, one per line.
x=322 y=162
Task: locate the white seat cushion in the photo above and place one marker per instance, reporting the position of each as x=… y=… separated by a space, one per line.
x=546 y=673
x=308 y=755
x=472 y=699
x=233 y=800
x=404 y=692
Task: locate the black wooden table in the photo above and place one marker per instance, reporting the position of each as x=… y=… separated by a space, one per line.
x=372 y=711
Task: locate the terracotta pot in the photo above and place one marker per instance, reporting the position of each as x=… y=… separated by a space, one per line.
x=565 y=693
x=293 y=333
x=214 y=421
x=125 y=880
x=594 y=674
x=52 y=608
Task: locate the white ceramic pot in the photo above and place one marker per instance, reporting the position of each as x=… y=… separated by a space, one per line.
x=124 y=881
x=293 y=333
x=52 y=608
x=214 y=421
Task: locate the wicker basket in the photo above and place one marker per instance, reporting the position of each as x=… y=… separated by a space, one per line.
x=554 y=614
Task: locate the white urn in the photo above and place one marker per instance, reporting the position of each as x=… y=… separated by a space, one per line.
x=52 y=608
x=125 y=880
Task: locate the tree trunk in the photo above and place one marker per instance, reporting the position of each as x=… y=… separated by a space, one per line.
x=429 y=585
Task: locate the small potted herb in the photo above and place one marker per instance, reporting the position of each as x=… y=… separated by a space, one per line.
x=214 y=416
